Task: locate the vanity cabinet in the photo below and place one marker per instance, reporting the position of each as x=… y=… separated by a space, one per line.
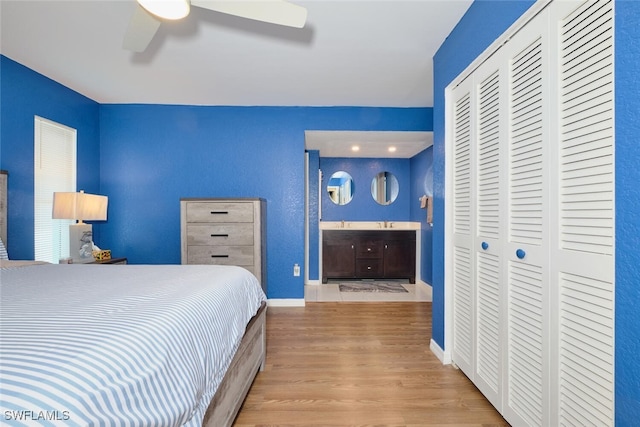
x=400 y=256
x=369 y=256
x=338 y=256
x=351 y=254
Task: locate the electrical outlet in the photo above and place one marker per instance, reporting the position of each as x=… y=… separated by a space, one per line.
x=296 y=270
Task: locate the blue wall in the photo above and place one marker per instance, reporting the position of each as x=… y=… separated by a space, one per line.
x=481 y=25
x=152 y=155
x=422 y=184
x=627 y=45
x=146 y=157
x=24 y=95
x=313 y=268
x=363 y=207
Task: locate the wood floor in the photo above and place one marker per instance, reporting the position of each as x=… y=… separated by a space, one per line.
x=359 y=364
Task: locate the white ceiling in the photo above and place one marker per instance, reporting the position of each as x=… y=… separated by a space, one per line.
x=350 y=53
x=370 y=144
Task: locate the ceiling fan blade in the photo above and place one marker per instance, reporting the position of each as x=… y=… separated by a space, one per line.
x=141 y=29
x=272 y=11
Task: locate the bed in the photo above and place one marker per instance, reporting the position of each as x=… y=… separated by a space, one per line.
x=147 y=345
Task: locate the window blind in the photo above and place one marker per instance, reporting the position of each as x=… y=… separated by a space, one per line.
x=54 y=170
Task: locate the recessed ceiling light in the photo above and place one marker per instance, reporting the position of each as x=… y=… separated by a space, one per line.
x=392 y=149
x=355 y=148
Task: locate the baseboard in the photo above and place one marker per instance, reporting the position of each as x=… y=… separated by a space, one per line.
x=427 y=287
x=285 y=302
x=443 y=356
x=313 y=282
x=422 y=282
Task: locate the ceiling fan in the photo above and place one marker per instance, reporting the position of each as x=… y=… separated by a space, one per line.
x=149 y=14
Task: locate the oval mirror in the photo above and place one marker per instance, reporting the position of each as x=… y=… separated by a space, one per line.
x=384 y=188
x=340 y=188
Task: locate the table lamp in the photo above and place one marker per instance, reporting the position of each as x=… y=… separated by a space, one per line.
x=80 y=206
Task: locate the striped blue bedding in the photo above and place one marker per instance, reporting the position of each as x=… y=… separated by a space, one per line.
x=118 y=345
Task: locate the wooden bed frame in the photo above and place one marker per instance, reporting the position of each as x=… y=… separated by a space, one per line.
x=249 y=358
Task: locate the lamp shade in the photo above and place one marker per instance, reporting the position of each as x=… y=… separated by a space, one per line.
x=80 y=206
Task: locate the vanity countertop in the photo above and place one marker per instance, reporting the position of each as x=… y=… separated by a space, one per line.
x=369 y=225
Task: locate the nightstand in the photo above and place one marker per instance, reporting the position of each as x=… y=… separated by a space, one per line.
x=110 y=261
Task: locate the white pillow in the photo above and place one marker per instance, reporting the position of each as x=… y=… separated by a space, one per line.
x=3 y=251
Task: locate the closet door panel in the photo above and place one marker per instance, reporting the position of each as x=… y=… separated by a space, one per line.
x=526 y=367
x=526 y=255
x=583 y=269
x=490 y=94
x=463 y=224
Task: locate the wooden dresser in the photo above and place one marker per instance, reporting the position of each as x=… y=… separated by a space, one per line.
x=225 y=231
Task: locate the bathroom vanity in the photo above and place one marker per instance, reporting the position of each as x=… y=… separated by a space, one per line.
x=369 y=253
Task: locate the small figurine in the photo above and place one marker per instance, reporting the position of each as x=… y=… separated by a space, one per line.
x=86 y=249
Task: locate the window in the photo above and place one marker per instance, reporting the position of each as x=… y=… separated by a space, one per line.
x=54 y=170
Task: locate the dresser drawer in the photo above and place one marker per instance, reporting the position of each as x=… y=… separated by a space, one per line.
x=219 y=212
x=220 y=234
x=221 y=255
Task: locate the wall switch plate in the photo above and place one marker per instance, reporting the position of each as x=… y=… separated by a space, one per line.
x=296 y=270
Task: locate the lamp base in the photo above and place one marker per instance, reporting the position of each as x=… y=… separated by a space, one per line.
x=81 y=243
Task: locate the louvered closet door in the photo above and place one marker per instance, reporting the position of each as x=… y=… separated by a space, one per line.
x=489 y=90
x=526 y=398
x=582 y=273
x=463 y=223
x=532 y=173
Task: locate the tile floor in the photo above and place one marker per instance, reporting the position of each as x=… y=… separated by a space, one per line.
x=329 y=292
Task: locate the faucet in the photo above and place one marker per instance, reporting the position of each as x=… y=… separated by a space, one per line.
x=385 y=223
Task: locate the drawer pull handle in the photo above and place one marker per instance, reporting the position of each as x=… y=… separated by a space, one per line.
x=520 y=253
x=219 y=235
x=219 y=212
x=485 y=245
x=368 y=267
x=368 y=249
x=219 y=256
